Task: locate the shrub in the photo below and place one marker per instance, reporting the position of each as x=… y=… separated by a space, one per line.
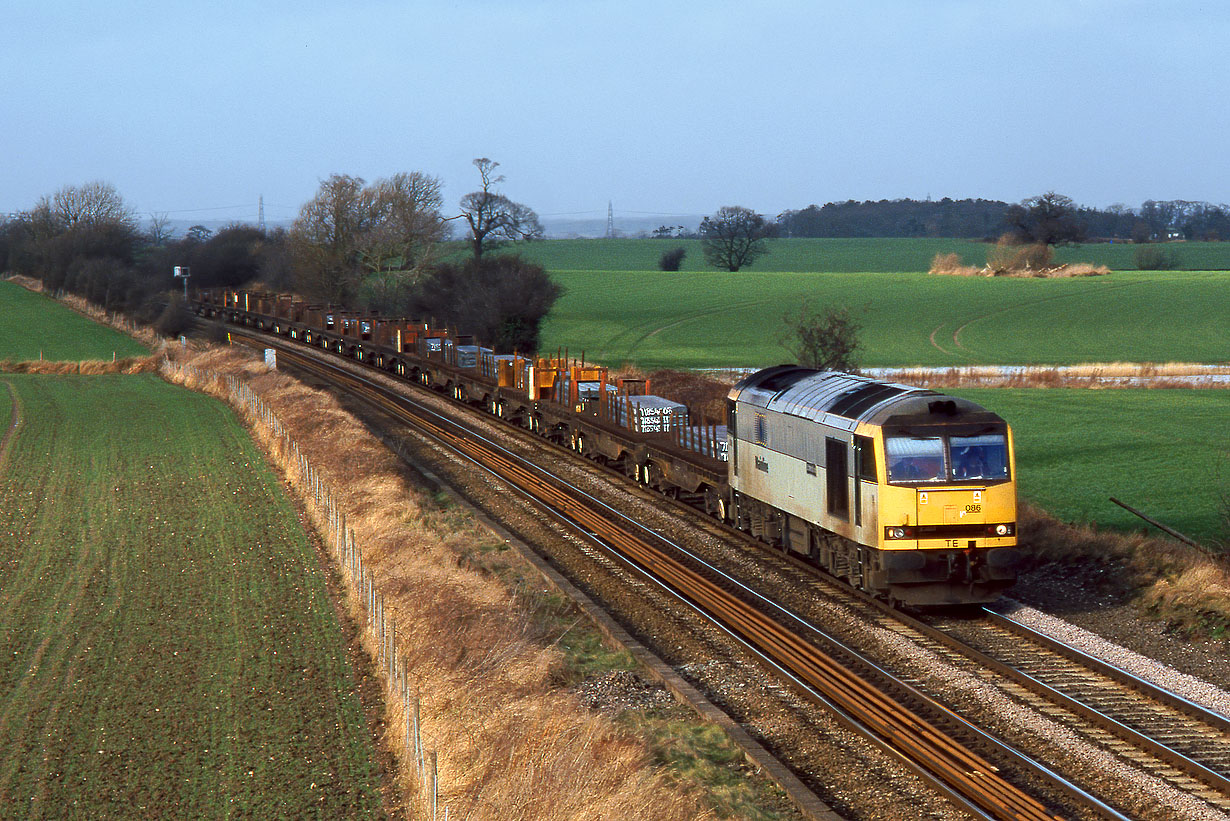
x=1154 y=258
x=672 y=260
x=826 y=339
x=1007 y=256
x=951 y=265
x=175 y=318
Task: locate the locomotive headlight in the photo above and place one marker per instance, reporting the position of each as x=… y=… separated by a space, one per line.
x=1001 y=530
x=896 y=532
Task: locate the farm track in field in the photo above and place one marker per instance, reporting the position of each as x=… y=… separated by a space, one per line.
x=956 y=334
x=628 y=349
x=14 y=423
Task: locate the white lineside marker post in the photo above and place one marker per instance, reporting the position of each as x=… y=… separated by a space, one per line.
x=271 y=359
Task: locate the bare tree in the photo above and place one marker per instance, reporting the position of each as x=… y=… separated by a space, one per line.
x=405 y=226
x=494 y=218
x=1047 y=219
x=325 y=238
x=91 y=205
x=159 y=228
x=826 y=339
x=351 y=231
x=733 y=237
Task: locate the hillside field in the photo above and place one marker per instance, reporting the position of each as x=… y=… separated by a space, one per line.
x=1164 y=452
x=170 y=648
x=34 y=326
x=724 y=320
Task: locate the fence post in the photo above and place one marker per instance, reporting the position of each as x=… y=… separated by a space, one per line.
x=435 y=785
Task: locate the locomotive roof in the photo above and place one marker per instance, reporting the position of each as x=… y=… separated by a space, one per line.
x=813 y=394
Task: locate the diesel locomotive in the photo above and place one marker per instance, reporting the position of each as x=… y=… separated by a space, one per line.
x=903 y=492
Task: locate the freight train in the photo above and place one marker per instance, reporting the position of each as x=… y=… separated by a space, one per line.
x=903 y=492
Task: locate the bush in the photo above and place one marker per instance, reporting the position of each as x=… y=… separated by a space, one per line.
x=951 y=265
x=672 y=260
x=175 y=318
x=502 y=300
x=1154 y=258
x=826 y=339
x=1007 y=256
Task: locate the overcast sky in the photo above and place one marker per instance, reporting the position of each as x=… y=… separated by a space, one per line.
x=198 y=108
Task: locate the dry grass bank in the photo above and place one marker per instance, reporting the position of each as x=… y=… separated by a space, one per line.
x=512 y=743
x=1009 y=259
x=29 y=283
x=129 y=365
x=1188 y=588
x=1093 y=375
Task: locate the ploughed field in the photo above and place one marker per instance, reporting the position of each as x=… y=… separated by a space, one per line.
x=170 y=647
x=34 y=326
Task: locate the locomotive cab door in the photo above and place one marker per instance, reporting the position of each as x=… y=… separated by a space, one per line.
x=837 y=478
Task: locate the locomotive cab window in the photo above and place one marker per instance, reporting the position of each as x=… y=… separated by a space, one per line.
x=976 y=457
x=864 y=458
x=915 y=458
x=979 y=457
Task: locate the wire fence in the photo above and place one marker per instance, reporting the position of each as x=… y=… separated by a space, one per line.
x=361 y=584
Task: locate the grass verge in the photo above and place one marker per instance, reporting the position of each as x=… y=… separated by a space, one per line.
x=1187 y=589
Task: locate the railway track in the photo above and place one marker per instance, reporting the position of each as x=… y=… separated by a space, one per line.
x=1133 y=720
x=918 y=730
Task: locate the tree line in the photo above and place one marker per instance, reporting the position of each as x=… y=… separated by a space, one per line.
x=1152 y=221
x=378 y=246
x=735 y=237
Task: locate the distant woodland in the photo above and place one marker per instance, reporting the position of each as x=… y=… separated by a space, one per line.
x=1153 y=221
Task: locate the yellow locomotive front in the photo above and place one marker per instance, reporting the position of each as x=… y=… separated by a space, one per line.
x=947 y=499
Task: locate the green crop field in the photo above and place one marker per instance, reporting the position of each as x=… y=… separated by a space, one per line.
x=169 y=646
x=715 y=320
x=33 y=326
x=842 y=255
x=1164 y=452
